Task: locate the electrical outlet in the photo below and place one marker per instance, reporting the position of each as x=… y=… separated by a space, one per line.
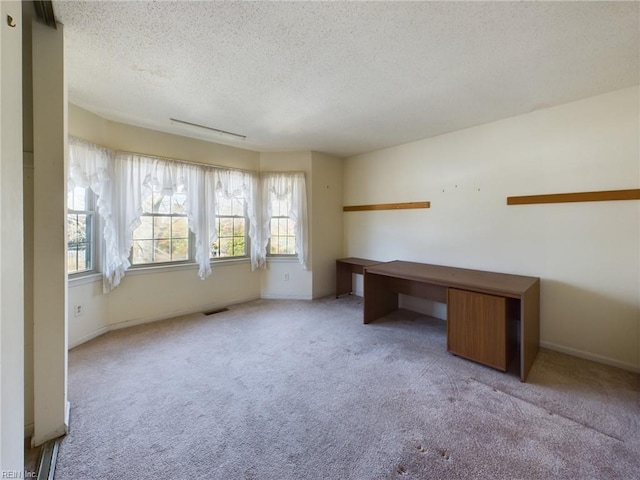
x=286 y=277
x=78 y=310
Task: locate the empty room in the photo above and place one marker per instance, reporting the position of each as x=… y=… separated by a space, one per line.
x=319 y=240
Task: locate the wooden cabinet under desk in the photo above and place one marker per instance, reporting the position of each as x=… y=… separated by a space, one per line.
x=477 y=327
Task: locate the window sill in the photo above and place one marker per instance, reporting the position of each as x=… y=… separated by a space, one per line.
x=283 y=259
x=83 y=279
x=184 y=266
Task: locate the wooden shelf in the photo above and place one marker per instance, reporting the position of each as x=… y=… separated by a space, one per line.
x=387 y=206
x=602 y=196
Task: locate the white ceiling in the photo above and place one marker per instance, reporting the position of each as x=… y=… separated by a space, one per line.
x=341 y=77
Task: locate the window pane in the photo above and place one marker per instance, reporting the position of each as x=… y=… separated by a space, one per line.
x=84 y=257
x=163 y=235
x=79 y=242
x=226 y=227
x=76 y=228
x=283 y=236
x=180 y=250
x=180 y=227
x=72 y=262
x=142 y=251
x=282 y=244
x=291 y=230
x=226 y=247
x=238 y=227
x=162 y=251
x=162 y=228
x=239 y=248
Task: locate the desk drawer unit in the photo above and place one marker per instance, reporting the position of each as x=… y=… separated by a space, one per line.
x=477 y=327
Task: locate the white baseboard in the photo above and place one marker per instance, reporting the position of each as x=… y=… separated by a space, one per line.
x=590 y=356
x=157 y=318
x=179 y=313
x=88 y=337
x=67 y=415
x=272 y=296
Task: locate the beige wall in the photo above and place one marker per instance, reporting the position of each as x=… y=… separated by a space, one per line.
x=164 y=292
x=11 y=250
x=587 y=254
x=49 y=234
x=327 y=223
x=27 y=146
x=119 y=136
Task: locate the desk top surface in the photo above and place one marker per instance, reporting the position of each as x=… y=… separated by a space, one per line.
x=358 y=261
x=455 y=277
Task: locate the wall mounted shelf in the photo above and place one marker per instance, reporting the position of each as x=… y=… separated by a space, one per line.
x=602 y=196
x=387 y=206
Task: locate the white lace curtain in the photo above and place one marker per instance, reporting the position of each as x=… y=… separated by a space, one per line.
x=91 y=166
x=138 y=176
x=122 y=181
x=288 y=188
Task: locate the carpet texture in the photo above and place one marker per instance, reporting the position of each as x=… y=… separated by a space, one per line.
x=303 y=390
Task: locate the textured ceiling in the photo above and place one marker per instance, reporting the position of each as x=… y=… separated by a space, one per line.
x=341 y=77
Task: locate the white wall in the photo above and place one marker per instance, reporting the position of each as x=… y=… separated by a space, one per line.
x=586 y=254
x=11 y=250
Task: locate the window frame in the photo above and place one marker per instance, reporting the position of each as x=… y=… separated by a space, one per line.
x=278 y=208
x=190 y=237
x=247 y=225
x=281 y=255
x=94 y=225
x=247 y=246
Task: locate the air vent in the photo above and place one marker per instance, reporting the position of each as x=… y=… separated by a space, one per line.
x=213 y=312
x=211 y=129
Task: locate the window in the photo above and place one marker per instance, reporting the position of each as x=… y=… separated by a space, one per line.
x=282 y=229
x=285 y=205
x=80 y=228
x=231 y=228
x=163 y=235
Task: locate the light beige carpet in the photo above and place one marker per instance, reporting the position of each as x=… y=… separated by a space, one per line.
x=303 y=390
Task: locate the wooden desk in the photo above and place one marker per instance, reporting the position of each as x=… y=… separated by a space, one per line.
x=469 y=297
x=345 y=267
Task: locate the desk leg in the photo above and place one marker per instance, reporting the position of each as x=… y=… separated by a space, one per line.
x=344 y=280
x=529 y=329
x=379 y=299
